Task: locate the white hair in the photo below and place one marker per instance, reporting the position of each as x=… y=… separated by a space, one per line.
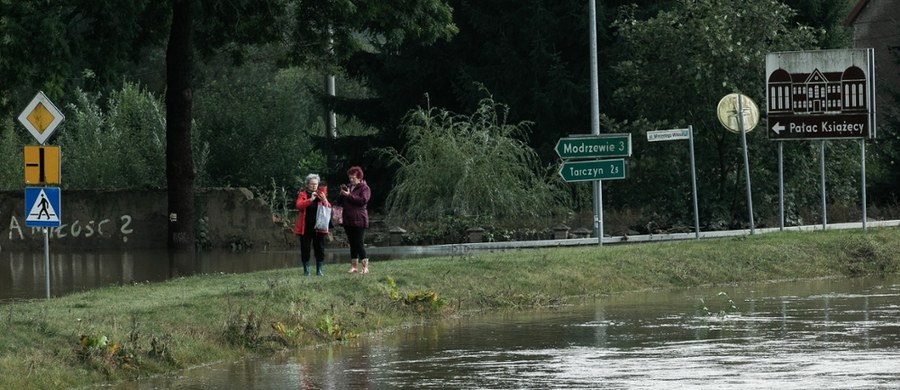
x=312 y=176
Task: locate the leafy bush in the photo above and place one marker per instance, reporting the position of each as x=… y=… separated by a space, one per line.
x=258 y=121
x=11 y=141
x=121 y=147
x=476 y=165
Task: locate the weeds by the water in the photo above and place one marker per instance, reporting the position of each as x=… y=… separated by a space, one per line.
x=868 y=256
x=333 y=330
x=421 y=301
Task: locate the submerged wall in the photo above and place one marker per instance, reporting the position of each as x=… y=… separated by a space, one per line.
x=138 y=219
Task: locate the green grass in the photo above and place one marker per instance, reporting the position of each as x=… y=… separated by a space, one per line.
x=125 y=332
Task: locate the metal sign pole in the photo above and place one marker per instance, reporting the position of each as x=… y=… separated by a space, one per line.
x=781 y=185
x=740 y=118
x=694 y=181
x=595 y=119
x=862 y=159
x=47 y=261
x=822 y=174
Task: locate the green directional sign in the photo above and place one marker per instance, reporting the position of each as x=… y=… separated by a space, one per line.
x=574 y=171
x=603 y=145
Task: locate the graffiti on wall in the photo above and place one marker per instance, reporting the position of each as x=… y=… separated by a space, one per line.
x=105 y=228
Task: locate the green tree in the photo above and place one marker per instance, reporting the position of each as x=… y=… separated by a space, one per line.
x=475 y=165
x=828 y=15
x=11 y=168
x=674 y=69
x=119 y=146
x=533 y=55
x=64 y=45
x=179 y=104
x=270 y=109
x=309 y=25
x=330 y=31
x=74 y=42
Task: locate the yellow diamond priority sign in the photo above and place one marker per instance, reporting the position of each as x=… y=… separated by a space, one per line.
x=41 y=117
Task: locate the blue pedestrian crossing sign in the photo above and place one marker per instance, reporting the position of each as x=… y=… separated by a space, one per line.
x=42 y=207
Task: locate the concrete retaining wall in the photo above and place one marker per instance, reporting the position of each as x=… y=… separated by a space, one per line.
x=138 y=219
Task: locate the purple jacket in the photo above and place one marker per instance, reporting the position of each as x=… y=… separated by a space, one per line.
x=355 y=212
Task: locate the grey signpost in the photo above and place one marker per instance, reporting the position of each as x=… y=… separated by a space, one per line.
x=821 y=95
x=739 y=114
x=588 y=157
x=595 y=114
x=42 y=118
x=677 y=134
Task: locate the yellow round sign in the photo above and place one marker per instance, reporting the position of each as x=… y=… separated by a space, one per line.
x=727 y=111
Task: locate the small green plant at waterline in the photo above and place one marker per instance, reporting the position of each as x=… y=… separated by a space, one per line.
x=331 y=328
x=289 y=336
x=727 y=304
x=243 y=332
x=103 y=355
x=422 y=301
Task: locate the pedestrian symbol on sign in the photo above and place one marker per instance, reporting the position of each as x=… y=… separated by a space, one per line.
x=42 y=206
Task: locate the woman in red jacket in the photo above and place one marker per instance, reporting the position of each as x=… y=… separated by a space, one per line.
x=308 y=201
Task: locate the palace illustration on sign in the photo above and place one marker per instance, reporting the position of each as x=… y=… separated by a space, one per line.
x=818 y=92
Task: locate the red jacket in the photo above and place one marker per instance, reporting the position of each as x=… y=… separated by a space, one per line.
x=303 y=201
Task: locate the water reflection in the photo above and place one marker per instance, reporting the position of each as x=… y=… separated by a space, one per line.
x=22 y=274
x=823 y=334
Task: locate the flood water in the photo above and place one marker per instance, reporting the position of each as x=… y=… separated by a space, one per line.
x=22 y=273
x=820 y=334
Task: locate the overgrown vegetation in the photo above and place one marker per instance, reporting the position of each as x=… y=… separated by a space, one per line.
x=121 y=146
x=259 y=104
x=469 y=165
x=703 y=42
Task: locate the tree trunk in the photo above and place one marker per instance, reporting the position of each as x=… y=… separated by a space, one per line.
x=179 y=160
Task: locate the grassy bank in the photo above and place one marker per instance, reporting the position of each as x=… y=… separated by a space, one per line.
x=128 y=331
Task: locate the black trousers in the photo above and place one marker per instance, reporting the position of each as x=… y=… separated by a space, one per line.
x=314 y=240
x=356 y=236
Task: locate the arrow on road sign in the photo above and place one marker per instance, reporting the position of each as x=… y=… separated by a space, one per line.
x=574 y=171
x=778 y=128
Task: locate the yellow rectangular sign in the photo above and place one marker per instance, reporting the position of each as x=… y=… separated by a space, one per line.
x=41 y=165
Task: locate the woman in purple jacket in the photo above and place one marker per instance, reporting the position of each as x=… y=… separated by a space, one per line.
x=354 y=199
